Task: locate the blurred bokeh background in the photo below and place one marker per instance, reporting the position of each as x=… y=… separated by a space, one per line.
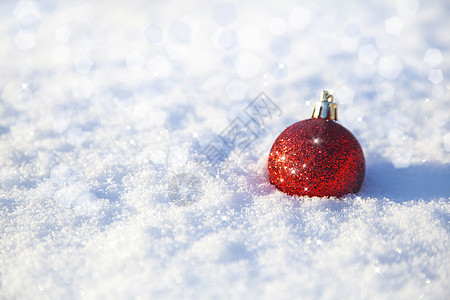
x=386 y=61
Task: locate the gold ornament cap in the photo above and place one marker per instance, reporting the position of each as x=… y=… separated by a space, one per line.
x=325 y=108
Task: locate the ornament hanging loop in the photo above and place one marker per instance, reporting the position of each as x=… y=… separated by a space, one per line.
x=326 y=96
x=325 y=108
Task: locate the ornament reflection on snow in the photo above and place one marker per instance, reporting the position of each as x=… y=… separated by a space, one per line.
x=317 y=157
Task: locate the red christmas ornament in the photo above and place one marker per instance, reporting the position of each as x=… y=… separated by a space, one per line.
x=317 y=157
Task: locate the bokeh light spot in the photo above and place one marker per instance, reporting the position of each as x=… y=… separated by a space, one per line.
x=393 y=25
x=224 y=13
x=390 y=67
x=236 y=90
x=25 y=40
x=367 y=54
x=433 y=57
x=153 y=34
x=299 y=18
x=435 y=76
x=83 y=64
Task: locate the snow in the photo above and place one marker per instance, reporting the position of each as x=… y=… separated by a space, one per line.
x=120 y=176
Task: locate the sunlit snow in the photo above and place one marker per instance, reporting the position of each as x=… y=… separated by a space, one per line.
x=134 y=138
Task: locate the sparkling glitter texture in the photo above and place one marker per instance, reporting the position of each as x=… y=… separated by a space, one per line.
x=317 y=157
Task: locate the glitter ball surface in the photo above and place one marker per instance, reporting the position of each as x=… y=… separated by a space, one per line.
x=317 y=157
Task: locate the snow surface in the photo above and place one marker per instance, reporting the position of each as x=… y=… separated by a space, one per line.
x=109 y=111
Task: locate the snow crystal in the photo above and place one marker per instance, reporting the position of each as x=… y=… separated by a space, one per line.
x=184 y=189
x=76 y=196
